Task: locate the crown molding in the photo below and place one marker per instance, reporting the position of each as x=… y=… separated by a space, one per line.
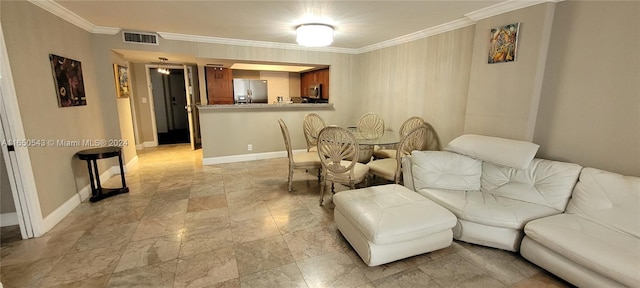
x=73 y=18
x=453 y=25
x=504 y=7
x=251 y=43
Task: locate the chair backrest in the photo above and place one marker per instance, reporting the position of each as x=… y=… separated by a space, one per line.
x=371 y=124
x=416 y=139
x=410 y=124
x=336 y=144
x=312 y=125
x=287 y=139
x=433 y=141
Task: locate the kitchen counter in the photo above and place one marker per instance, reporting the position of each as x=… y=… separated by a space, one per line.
x=265 y=106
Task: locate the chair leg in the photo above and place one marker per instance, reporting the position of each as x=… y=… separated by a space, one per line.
x=333 y=190
x=322 y=187
x=290 y=179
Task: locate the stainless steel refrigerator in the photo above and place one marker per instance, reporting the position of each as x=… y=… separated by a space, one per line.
x=250 y=91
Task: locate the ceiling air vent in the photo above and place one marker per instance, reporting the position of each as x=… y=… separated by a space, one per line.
x=140 y=38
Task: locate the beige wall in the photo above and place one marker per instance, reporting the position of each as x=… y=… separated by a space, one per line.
x=503 y=97
x=143 y=110
x=590 y=106
x=31 y=35
x=427 y=78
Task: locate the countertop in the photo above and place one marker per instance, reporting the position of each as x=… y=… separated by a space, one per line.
x=261 y=106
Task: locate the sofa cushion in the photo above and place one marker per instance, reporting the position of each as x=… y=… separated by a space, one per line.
x=609 y=199
x=544 y=182
x=600 y=248
x=500 y=151
x=445 y=170
x=509 y=197
x=487 y=209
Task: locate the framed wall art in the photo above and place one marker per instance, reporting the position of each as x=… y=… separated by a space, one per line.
x=121 y=74
x=503 y=43
x=67 y=77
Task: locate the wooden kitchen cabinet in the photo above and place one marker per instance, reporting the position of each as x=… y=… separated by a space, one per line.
x=219 y=85
x=314 y=77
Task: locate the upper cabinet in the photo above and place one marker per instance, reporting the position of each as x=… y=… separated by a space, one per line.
x=219 y=85
x=315 y=77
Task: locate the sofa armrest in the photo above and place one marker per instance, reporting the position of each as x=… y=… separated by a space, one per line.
x=407 y=173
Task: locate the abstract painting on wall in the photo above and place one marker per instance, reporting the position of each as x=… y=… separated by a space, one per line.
x=67 y=77
x=121 y=74
x=503 y=43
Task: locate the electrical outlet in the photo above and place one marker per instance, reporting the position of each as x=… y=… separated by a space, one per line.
x=249 y=147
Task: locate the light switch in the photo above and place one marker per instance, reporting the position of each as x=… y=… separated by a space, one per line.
x=144 y=100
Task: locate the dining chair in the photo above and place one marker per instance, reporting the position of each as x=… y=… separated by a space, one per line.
x=307 y=160
x=390 y=168
x=371 y=125
x=312 y=125
x=405 y=128
x=335 y=145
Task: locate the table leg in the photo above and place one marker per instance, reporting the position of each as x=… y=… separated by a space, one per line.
x=94 y=190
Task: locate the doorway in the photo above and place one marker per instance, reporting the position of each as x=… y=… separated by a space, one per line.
x=170 y=100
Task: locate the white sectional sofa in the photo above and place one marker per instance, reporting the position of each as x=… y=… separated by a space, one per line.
x=495 y=193
x=596 y=242
x=499 y=193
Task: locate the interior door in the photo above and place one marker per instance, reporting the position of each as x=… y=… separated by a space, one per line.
x=190 y=107
x=17 y=189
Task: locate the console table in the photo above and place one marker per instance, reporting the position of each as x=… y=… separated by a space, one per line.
x=91 y=156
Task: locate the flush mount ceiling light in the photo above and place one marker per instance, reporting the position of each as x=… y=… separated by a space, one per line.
x=163 y=69
x=314 y=35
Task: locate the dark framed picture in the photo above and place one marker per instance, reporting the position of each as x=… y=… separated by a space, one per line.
x=503 y=43
x=67 y=77
x=121 y=74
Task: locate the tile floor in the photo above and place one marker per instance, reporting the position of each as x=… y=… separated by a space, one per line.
x=230 y=225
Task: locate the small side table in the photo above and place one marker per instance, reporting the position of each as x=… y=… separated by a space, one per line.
x=91 y=155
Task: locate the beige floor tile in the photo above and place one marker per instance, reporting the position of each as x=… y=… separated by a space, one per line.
x=39 y=248
x=102 y=237
x=77 y=266
x=205 y=240
x=206 y=203
x=451 y=270
x=295 y=220
x=412 y=277
x=28 y=274
x=149 y=252
x=312 y=242
x=158 y=227
x=254 y=229
x=249 y=210
x=206 y=269
x=287 y=276
x=263 y=254
x=158 y=276
x=334 y=269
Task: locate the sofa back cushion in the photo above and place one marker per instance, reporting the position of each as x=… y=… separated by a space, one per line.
x=500 y=151
x=609 y=199
x=543 y=182
x=445 y=170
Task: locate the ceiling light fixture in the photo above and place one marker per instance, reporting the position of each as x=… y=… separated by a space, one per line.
x=314 y=35
x=163 y=69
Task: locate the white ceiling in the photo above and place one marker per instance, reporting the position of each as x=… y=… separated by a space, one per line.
x=359 y=25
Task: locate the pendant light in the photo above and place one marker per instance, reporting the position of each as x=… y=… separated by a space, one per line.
x=162 y=68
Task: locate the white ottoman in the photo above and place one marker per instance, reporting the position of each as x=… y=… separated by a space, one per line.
x=390 y=222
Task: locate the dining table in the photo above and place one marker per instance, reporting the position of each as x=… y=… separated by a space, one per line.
x=368 y=141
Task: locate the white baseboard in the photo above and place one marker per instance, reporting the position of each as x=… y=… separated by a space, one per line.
x=147 y=144
x=9 y=219
x=247 y=157
x=57 y=215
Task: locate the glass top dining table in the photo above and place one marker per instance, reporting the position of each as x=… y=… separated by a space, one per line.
x=367 y=142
